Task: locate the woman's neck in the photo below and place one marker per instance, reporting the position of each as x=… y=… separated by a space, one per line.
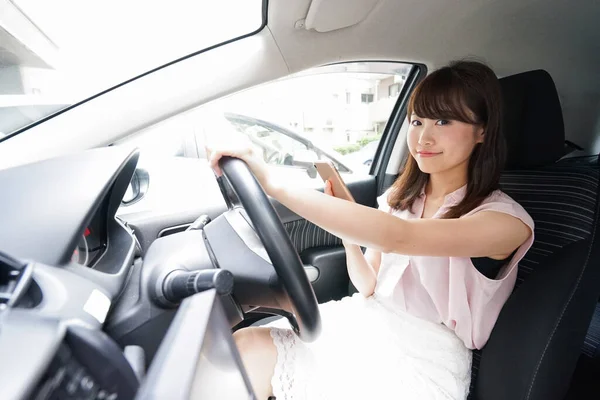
x=442 y=184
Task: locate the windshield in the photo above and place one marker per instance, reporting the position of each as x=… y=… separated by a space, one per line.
x=56 y=53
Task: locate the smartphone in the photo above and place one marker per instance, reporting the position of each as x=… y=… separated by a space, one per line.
x=327 y=171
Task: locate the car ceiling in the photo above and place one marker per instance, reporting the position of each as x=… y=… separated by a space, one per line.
x=511 y=35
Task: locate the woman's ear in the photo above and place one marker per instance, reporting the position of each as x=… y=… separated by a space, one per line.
x=479 y=132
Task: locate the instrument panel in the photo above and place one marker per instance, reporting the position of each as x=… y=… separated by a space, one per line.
x=92 y=242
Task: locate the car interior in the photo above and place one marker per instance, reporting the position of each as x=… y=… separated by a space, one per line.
x=124 y=278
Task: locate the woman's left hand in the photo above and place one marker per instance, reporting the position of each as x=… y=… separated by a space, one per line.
x=328 y=190
x=234 y=144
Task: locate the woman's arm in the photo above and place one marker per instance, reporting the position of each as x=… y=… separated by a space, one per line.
x=484 y=234
x=362 y=268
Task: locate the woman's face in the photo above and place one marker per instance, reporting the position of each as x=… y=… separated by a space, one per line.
x=440 y=145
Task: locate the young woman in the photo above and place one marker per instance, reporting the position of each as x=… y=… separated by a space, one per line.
x=441 y=258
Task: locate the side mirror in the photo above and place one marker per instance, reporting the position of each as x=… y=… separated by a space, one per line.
x=311 y=171
x=308 y=166
x=137 y=187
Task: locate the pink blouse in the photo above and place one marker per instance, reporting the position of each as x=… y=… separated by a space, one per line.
x=450 y=290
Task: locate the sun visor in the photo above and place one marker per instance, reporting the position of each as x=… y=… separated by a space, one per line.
x=329 y=15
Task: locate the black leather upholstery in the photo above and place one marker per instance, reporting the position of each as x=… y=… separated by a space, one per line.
x=536 y=342
x=592 y=338
x=532 y=122
x=306 y=235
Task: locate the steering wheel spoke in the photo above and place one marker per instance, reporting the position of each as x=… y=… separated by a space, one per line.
x=279 y=247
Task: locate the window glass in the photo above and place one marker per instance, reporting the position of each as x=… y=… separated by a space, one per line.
x=65 y=51
x=336 y=113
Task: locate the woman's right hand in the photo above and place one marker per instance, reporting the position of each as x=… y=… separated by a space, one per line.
x=225 y=141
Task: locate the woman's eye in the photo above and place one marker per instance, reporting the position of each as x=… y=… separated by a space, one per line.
x=415 y=122
x=442 y=122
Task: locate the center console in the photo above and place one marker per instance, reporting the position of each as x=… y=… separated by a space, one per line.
x=198 y=358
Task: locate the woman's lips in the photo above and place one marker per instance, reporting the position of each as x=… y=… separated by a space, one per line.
x=425 y=154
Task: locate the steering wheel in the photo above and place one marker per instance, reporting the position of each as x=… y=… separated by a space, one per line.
x=279 y=247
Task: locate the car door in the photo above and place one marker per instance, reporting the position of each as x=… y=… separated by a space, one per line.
x=328 y=113
x=321 y=252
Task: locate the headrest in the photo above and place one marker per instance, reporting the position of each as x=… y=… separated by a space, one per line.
x=532 y=123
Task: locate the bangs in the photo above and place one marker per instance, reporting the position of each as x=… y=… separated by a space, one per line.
x=442 y=95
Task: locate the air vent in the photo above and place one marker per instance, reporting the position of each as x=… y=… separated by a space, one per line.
x=15 y=277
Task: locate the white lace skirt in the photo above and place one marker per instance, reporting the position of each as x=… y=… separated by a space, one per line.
x=367 y=351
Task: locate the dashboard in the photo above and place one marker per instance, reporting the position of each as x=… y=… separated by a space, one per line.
x=82 y=317
x=93 y=241
x=64 y=260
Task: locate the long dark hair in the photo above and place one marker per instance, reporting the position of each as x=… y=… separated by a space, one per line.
x=466 y=91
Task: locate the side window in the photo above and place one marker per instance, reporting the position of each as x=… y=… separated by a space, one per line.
x=336 y=113
x=282 y=146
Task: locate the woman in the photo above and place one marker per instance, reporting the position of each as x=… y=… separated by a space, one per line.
x=441 y=258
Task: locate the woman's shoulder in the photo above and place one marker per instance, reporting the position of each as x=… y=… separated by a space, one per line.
x=382 y=200
x=498 y=196
x=502 y=202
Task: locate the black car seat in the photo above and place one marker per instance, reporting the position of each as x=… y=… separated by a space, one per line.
x=537 y=340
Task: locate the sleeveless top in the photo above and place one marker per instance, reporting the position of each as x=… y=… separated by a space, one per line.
x=450 y=290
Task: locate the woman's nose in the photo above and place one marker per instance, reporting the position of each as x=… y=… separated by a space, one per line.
x=425 y=138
